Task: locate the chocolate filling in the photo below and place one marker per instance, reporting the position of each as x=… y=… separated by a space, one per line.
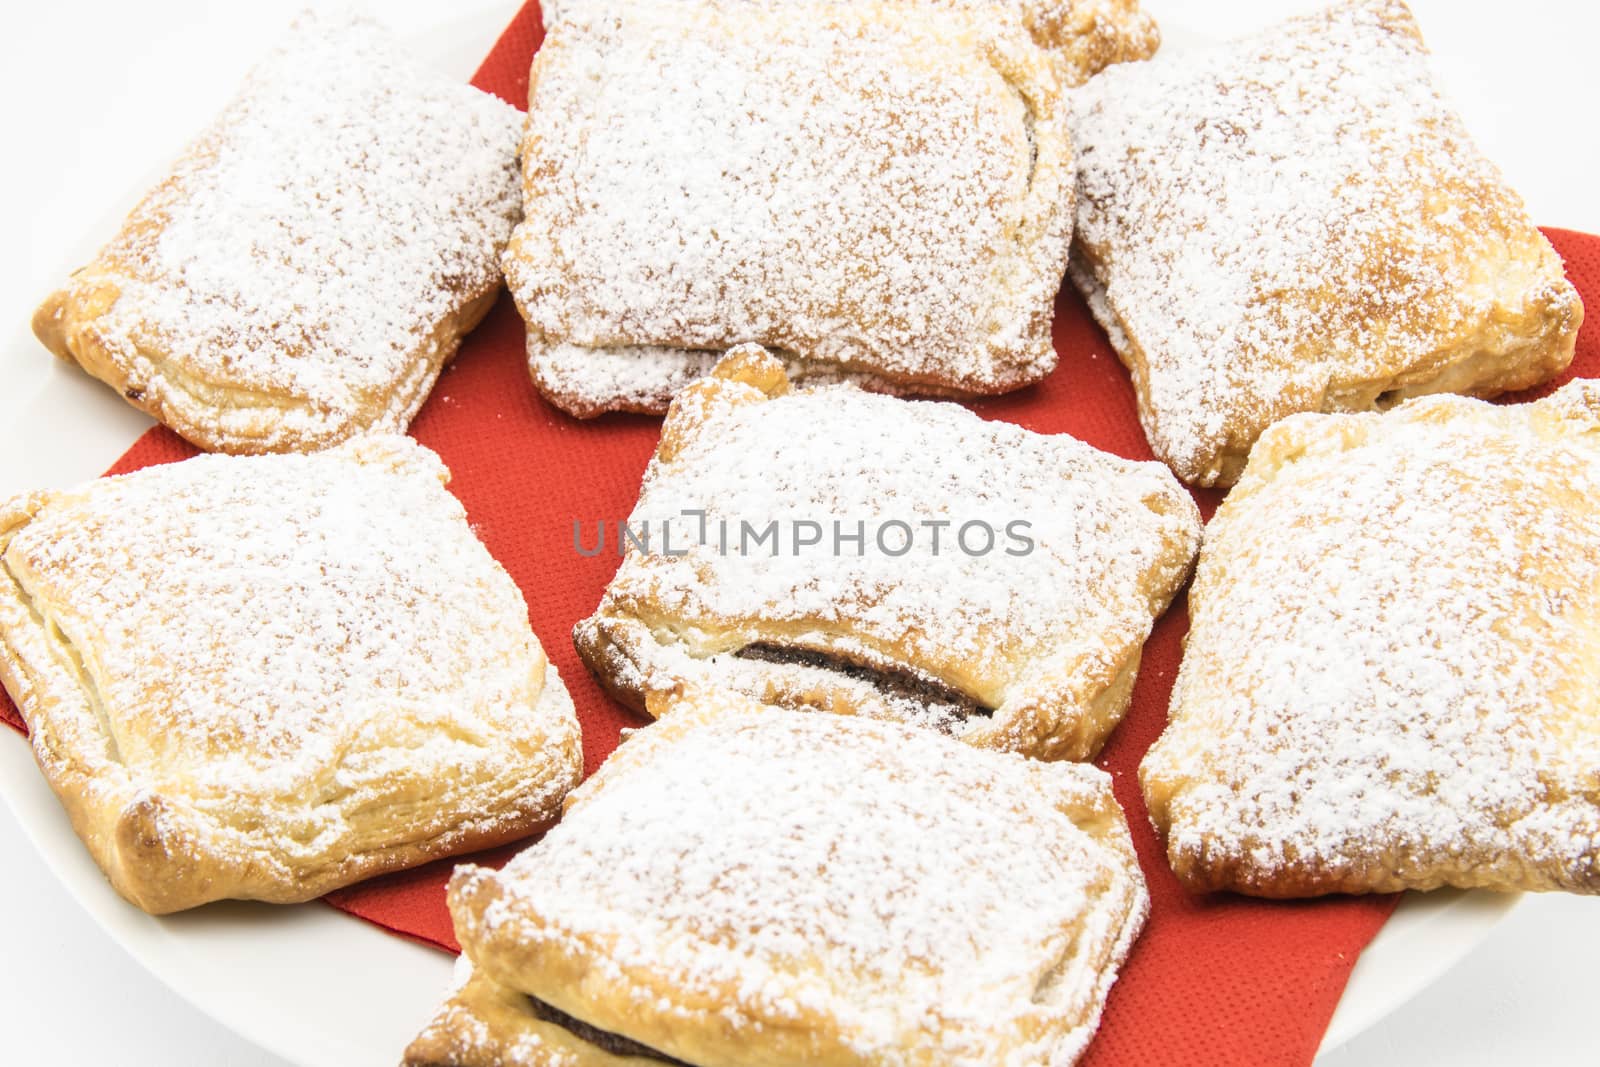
x=950 y=704
x=604 y=1040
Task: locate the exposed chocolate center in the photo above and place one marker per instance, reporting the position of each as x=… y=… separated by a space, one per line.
x=605 y=1040
x=948 y=704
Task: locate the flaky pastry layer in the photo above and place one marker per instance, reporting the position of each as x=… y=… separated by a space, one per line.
x=1030 y=646
x=1392 y=666
x=269 y=677
x=312 y=261
x=878 y=189
x=877 y=895
x=1085 y=36
x=1299 y=222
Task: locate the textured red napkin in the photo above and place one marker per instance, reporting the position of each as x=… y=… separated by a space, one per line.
x=1214 y=980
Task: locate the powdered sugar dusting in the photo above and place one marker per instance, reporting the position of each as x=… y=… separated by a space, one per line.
x=1089 y=34
x=886 y=191
x=591 y=381
x=914 y=893
x=1109 y=542
x=1391 y=671
x=343 y=207
x=1290 y=222
x=841 y=454
x=292 y=644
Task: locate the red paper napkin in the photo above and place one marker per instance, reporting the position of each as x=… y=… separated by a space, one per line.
x=1216 y=979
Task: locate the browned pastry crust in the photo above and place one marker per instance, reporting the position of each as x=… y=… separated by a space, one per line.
x=1086 y=36
x=1299 y=222
x=485 y=1024
x=1392 y=678
x=1091 y=35
x=705 y=904
x=269 y=677
x=877 y=191
x=1030 y=651
x=312 y=261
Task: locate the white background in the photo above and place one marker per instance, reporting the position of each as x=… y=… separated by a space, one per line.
x=96 y=97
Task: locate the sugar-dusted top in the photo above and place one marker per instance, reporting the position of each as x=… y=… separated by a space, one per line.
x=1287 y=222
x=866 y=885
x=341 y=208
x=886 y=188
x=287 y=641
x=1090 y=34
x=985 y=551
x=1391 y=671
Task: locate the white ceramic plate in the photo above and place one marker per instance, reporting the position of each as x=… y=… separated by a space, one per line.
x=325 y=990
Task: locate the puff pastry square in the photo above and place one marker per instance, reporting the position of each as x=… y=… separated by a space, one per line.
x=268 y=677
x=878 y=895
x=1392 y=673
x=881 y=191
x=313 y=260
x=1086 y=35
x=1298 y=222
x=939 y=613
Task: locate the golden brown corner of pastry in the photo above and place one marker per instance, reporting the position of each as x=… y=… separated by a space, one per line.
x=1091 y=36
x=1449 y=687
x=486 y=1024
x=167 y=837
x=464 y=1031
x=65 y=322
x=396 y=453
x=1577 y=402
x=676 y=954
x=606 y=649
x=748 y=374
x=432 y=1047
x=658 y=703
x=17 y=510
x=753 y=365
x=48 y=327
x=691 y=703
x=1292 y=438
x=1396 y=14
x=153 y=858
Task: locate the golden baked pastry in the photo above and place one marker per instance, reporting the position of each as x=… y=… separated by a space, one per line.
x=1392 y=673
x=902 y=560
x=313 y=260
x=1085 y=35
x=1090 y=35
x=881 y=191
x=743 y=884
x=269 y=677
x=1298 y=222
